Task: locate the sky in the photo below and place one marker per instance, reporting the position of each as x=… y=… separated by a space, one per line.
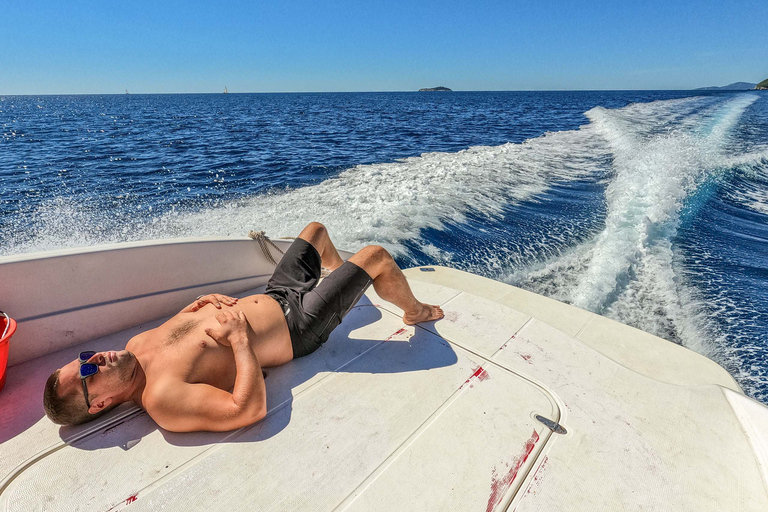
x=170 y=46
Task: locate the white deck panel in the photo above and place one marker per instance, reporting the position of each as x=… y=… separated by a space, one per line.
x=640 y=444
x=472 y=457
x=641 y=351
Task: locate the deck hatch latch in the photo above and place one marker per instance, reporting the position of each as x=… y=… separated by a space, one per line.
x=551 y=425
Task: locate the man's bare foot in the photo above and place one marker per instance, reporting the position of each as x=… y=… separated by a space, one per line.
x=427 y=313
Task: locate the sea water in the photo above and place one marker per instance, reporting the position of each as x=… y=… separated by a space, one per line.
x=649 y=207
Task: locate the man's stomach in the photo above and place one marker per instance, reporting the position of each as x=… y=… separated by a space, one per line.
x=268 y=331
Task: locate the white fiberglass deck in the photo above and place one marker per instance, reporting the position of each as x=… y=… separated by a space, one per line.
x=435 y=417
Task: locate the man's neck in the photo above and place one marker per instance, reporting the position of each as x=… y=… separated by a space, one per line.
x=138 y=383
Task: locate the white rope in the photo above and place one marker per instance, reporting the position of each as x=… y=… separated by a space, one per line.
x=263 y=240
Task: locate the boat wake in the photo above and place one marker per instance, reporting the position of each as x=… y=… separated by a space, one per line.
x=664 y=170
x=658 y=171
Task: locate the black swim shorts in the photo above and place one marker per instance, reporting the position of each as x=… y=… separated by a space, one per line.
x=311 y=310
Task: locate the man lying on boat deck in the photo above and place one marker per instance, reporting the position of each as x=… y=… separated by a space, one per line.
x=180 y=372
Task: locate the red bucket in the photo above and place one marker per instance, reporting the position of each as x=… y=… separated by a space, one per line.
x=7 y=328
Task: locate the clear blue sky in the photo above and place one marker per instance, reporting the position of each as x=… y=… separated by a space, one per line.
x=104 y=46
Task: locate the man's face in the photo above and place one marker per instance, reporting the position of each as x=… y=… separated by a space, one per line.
x=114 y=376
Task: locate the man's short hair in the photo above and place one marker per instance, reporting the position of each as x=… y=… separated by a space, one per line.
x=66 y=410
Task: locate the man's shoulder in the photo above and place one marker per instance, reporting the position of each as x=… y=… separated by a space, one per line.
x=164 y=400
x=161 y=392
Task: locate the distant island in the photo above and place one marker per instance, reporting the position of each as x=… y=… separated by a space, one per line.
x=736 y=86
x=441 y=88
x=762 y=85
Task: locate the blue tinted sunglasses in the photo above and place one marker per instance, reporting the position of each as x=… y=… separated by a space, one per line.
x=86 y=370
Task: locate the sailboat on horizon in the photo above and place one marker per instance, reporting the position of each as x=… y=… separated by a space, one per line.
x=225 y=90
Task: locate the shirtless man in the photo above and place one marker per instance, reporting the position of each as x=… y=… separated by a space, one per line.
x=201 y=370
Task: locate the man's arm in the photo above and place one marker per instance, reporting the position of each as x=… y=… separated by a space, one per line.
x=183 y=407
x=196 y=407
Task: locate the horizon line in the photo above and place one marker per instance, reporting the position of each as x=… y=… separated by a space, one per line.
x=363 y=92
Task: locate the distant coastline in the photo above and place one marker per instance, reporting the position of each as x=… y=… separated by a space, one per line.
x=736 y=86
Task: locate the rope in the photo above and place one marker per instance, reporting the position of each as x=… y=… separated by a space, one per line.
x=263 y=240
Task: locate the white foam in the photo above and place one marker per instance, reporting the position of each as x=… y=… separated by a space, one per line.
x=653 y=174
x=753 y=192
x=380 y=203
x=662 y=152
x=757 y=200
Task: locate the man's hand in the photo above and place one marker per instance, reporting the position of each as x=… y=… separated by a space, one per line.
x=233 y=328
x=212 y=298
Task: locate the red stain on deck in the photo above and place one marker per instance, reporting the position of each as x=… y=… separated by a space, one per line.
x=130 y=499
x=507 y=342
x=527 y=358
x=480 y=374
x=401 y=331
x=500 y=485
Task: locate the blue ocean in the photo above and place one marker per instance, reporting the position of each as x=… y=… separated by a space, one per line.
x=649 y=207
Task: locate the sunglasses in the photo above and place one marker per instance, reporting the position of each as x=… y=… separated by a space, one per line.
x=86 y=370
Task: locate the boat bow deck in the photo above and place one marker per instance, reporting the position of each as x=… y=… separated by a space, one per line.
x=385 y=416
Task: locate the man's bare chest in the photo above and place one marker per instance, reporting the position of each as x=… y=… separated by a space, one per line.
x=183 y=351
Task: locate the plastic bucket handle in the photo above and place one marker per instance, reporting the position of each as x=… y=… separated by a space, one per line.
x=7 y=325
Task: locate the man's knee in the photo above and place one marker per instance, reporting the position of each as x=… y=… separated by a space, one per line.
x=313 y=233
x=376 y=252
x=315 y=227
x=371 y=257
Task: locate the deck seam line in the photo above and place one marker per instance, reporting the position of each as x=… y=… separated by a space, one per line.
x=519 y=330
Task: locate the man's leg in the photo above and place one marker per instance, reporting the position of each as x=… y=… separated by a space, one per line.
x=391 y=285
x=316 y=234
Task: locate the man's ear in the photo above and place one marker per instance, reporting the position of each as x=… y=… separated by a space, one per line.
x=99 y=406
